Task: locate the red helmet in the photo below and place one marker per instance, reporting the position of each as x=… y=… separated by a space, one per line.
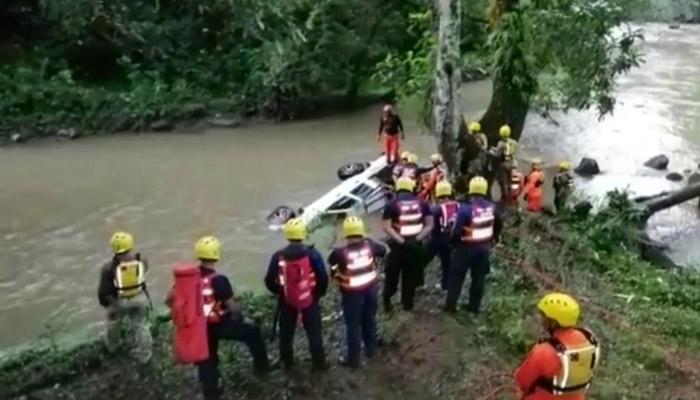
x=388 y=109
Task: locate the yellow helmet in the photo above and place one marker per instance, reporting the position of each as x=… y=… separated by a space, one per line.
x=560 y=307
x=294 y=229
x=443 y=188
x=474 y=127
x=436 y=158
x=478 y=185
x=405 y=183
x=504 y=131
x=566 y=166
x=208 y=248
x=413 y=158
x=353 y=226
x=405 y=155
x=122 y=242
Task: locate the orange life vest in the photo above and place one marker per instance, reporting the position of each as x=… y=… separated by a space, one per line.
x=410 y=218
x=480 y=230
x=360 y=269
x=213 y=309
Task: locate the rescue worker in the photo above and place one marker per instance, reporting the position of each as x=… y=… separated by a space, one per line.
x=390 y=126
x=562 y=365
x=533 y=187
x=435 y=175
x=504 y=152
x=297 y=275
x=444 y=214
x=398 y=168
x=122 y=292
x=354 y=268
x=517 y=184
x=562 y=186
x=477 y=226
x=479 y=164
x=225 y=320
x=407 y=221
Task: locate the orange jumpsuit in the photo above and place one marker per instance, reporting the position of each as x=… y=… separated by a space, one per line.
x=543 y=362
x=434 y=176
x=533 y=191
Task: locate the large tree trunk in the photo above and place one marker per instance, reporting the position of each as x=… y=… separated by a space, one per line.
x=671 y=199
x=448 y=81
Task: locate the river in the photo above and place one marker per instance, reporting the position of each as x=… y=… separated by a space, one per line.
x=61 y=201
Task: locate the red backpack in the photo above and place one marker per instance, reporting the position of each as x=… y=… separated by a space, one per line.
x=191 y=343
x=298 y=281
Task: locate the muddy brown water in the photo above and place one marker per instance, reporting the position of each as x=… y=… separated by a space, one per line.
x=60 y=202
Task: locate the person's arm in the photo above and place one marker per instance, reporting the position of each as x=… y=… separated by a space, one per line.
x=387 y=226
x=428 y=222
x=497 y=225
x=319 y=268
x=422 y=170
x=537 y=364
x=381 y=127
x=497 y=151
x=378 y=249
x=271 y=282
x=399 y=124
x=463 y=216
x=224 y=294
x=333 y=261
x=106 y=292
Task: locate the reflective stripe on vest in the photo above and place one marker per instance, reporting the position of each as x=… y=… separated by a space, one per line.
x=360 y=269
x=578 y=364
x=481 y=227
x=410 y=218
x=515 y=178
x=449 y=215
x=213 y=309
x=129 y=278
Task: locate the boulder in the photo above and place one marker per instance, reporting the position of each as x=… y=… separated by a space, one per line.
x=69 y=133
x=582 y=209
x=194 y=110
x=19 y=137
x=674 y=177
x=162 y=125
x=587 y=167
x=694 y=178
x=659 y=162
x=674 y=25
x=224 y=122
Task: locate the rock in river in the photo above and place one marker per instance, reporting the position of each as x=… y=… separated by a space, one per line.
x=587 y=167
x=659 y=162
x=674 y=177
x=224 y=122
x=162 y=125
x=694 y=178
x=69 y=133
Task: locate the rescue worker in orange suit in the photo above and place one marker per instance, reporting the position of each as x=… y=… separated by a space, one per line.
x=562 y=186
x=533 y=187
x=390 y=126
x=435 y=175
x=562 y=365
x=297 y=275
x=517 y=184
x=504 y=152
x=407 y=221
x=225 y=319
x=445 y=215
x=477 y=226
x=354 y=268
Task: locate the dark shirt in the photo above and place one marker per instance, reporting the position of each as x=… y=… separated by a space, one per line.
x=295 y=251
x=220 y=285
x=464 y=218
x=390 y=124
x=337 y=256
x=106 y=290
x=391 y=210
x=438 y=233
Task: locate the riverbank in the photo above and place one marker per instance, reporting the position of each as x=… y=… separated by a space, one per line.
x=430 y=355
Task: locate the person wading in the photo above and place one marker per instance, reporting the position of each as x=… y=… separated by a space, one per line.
x=391 y=128
x=122 y=291
x=354 y=268
x=533 y=190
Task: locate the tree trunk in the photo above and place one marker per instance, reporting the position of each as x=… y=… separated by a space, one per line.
x=446 y=109
x=672 y=199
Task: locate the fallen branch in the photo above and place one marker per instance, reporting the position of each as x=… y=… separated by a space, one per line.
x=671 y=199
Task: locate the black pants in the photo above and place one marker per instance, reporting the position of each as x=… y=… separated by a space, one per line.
x=443 y=250
x=472 y=258
x=402 y=264
x=311 y=319
x=230 y=329
x=360 y=313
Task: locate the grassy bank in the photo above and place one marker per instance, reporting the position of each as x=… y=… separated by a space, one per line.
x=646 y=318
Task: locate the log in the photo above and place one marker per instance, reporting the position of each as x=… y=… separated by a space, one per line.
x=674 y=198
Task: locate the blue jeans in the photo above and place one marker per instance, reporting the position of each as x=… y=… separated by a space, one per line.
x=360 y=313
x=311 y=319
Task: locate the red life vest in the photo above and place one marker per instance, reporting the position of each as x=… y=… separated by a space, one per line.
x=213 y=309
x=359 y=271
x=410 y=218
x=297 y=280
x=449 y=215
x=480 y=229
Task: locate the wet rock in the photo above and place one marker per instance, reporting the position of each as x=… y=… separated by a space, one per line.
x=587 y=167
x=69 y=133
x=674 y=177
x=162 y=125
x=694 y=178
x=224 y=122
x=194 y=110
x=659 y=162
x=674 y=25
x=582 y=209
x=19 y=137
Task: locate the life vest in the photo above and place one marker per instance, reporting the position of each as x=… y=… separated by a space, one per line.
x=213 y=309
x=516 y=179
x=129 y=278
x=449 y=215
x=578 y=364
x=360 y=270
x=297 y=279
x=410 y=218
x=509 y=150
x=480 y=229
